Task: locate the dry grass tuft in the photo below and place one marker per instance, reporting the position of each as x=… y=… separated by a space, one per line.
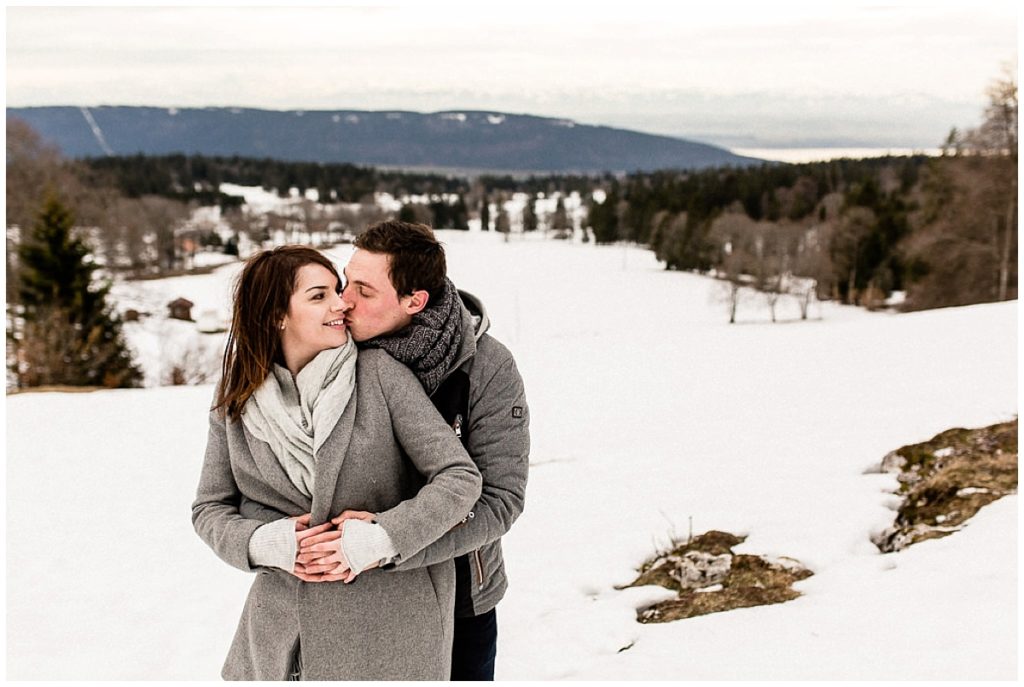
x=947 y=479
x=710 y=578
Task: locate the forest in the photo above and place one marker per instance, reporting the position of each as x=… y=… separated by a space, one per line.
x=910 y=233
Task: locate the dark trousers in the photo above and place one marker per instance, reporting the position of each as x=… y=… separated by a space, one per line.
x=475 y=647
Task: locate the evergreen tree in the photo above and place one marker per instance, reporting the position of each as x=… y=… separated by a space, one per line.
x=560 y=220
x=460 y=215
x=604 y=219
x=68 y=333
x=485 y=214
x=529 y=215
x=407 y=213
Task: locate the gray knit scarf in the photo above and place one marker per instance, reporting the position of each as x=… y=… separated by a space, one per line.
x=429 y=344
x=296 y=416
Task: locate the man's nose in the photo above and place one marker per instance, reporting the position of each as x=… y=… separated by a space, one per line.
x=342 y=304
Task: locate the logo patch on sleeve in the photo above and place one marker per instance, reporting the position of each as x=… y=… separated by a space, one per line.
x=517 y=411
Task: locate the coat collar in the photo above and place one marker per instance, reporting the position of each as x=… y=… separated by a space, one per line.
x=271 y=470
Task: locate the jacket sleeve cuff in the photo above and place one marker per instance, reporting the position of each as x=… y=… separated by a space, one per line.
x=366 y=543
x=273 y=544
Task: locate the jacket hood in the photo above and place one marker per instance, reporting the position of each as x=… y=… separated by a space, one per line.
x=478 y=312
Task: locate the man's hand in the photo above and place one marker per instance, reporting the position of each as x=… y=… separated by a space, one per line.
x=356 y=515
x=353 y=515
x=301 y=521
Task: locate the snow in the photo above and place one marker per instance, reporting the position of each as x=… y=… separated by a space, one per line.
x=798 y=155
x=648 y=410
x=257 y=198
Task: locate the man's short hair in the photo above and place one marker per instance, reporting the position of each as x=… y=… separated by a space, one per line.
x=416 y=259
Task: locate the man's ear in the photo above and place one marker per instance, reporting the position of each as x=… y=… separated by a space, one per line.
x=416 y=302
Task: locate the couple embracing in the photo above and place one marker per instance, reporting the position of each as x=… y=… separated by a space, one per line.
x=368 y=447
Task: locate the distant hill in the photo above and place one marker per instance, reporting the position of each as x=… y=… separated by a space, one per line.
x=462 y=140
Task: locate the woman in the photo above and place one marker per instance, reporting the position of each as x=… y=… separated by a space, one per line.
x=304 y=426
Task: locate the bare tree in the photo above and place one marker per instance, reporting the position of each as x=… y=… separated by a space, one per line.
x=965 y=246
x=846 y=246
x=735 y=235
x=997 y=136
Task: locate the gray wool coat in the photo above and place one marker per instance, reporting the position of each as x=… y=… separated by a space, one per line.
x=384 y=625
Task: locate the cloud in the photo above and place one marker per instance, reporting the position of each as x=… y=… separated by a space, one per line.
x=637 y=63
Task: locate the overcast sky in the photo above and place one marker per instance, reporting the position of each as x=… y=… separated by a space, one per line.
x=771 y=73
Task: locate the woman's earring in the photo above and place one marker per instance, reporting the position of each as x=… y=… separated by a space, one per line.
x=282 y=325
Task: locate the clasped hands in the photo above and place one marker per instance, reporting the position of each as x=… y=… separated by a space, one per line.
x=319 y=556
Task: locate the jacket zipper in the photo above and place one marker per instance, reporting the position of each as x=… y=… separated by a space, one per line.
x=479 y=568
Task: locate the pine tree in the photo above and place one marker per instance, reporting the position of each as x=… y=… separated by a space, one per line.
x=68 y=334
x=560 y=221
x=604 y=219
x=529 y=215
x=485 y=214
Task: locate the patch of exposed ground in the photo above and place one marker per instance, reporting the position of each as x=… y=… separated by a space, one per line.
x=947 y=479
x=710 y=578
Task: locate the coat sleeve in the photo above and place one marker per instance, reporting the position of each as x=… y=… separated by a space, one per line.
x=499 y=444
x=215 y=514
x=452 y=480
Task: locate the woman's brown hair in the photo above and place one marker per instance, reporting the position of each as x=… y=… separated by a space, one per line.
x=262 y=294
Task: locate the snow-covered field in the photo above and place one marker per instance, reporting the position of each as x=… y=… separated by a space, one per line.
x=648 y=410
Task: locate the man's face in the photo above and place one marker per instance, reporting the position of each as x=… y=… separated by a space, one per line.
x=374 y=307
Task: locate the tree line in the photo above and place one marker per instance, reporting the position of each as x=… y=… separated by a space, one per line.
x=943 y=230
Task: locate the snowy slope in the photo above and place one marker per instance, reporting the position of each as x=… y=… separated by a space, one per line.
x=648 y=410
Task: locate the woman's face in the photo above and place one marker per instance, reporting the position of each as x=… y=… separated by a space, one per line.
x=314 y=321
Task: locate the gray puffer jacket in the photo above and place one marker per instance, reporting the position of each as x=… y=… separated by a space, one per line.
x=499 y=443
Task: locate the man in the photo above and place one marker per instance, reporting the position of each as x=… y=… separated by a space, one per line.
x=399 y=298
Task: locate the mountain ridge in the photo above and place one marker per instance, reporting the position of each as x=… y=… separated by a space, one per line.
x=484 y=140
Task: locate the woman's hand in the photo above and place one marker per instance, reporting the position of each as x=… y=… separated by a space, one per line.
x=320 y=557
x=302 y=532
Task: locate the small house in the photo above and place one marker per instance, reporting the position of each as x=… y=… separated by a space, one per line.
x=181 y=309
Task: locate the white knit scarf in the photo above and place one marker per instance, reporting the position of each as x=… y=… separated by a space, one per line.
x=296 y=416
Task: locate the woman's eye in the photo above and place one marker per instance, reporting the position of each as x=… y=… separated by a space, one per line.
x=318 y=297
